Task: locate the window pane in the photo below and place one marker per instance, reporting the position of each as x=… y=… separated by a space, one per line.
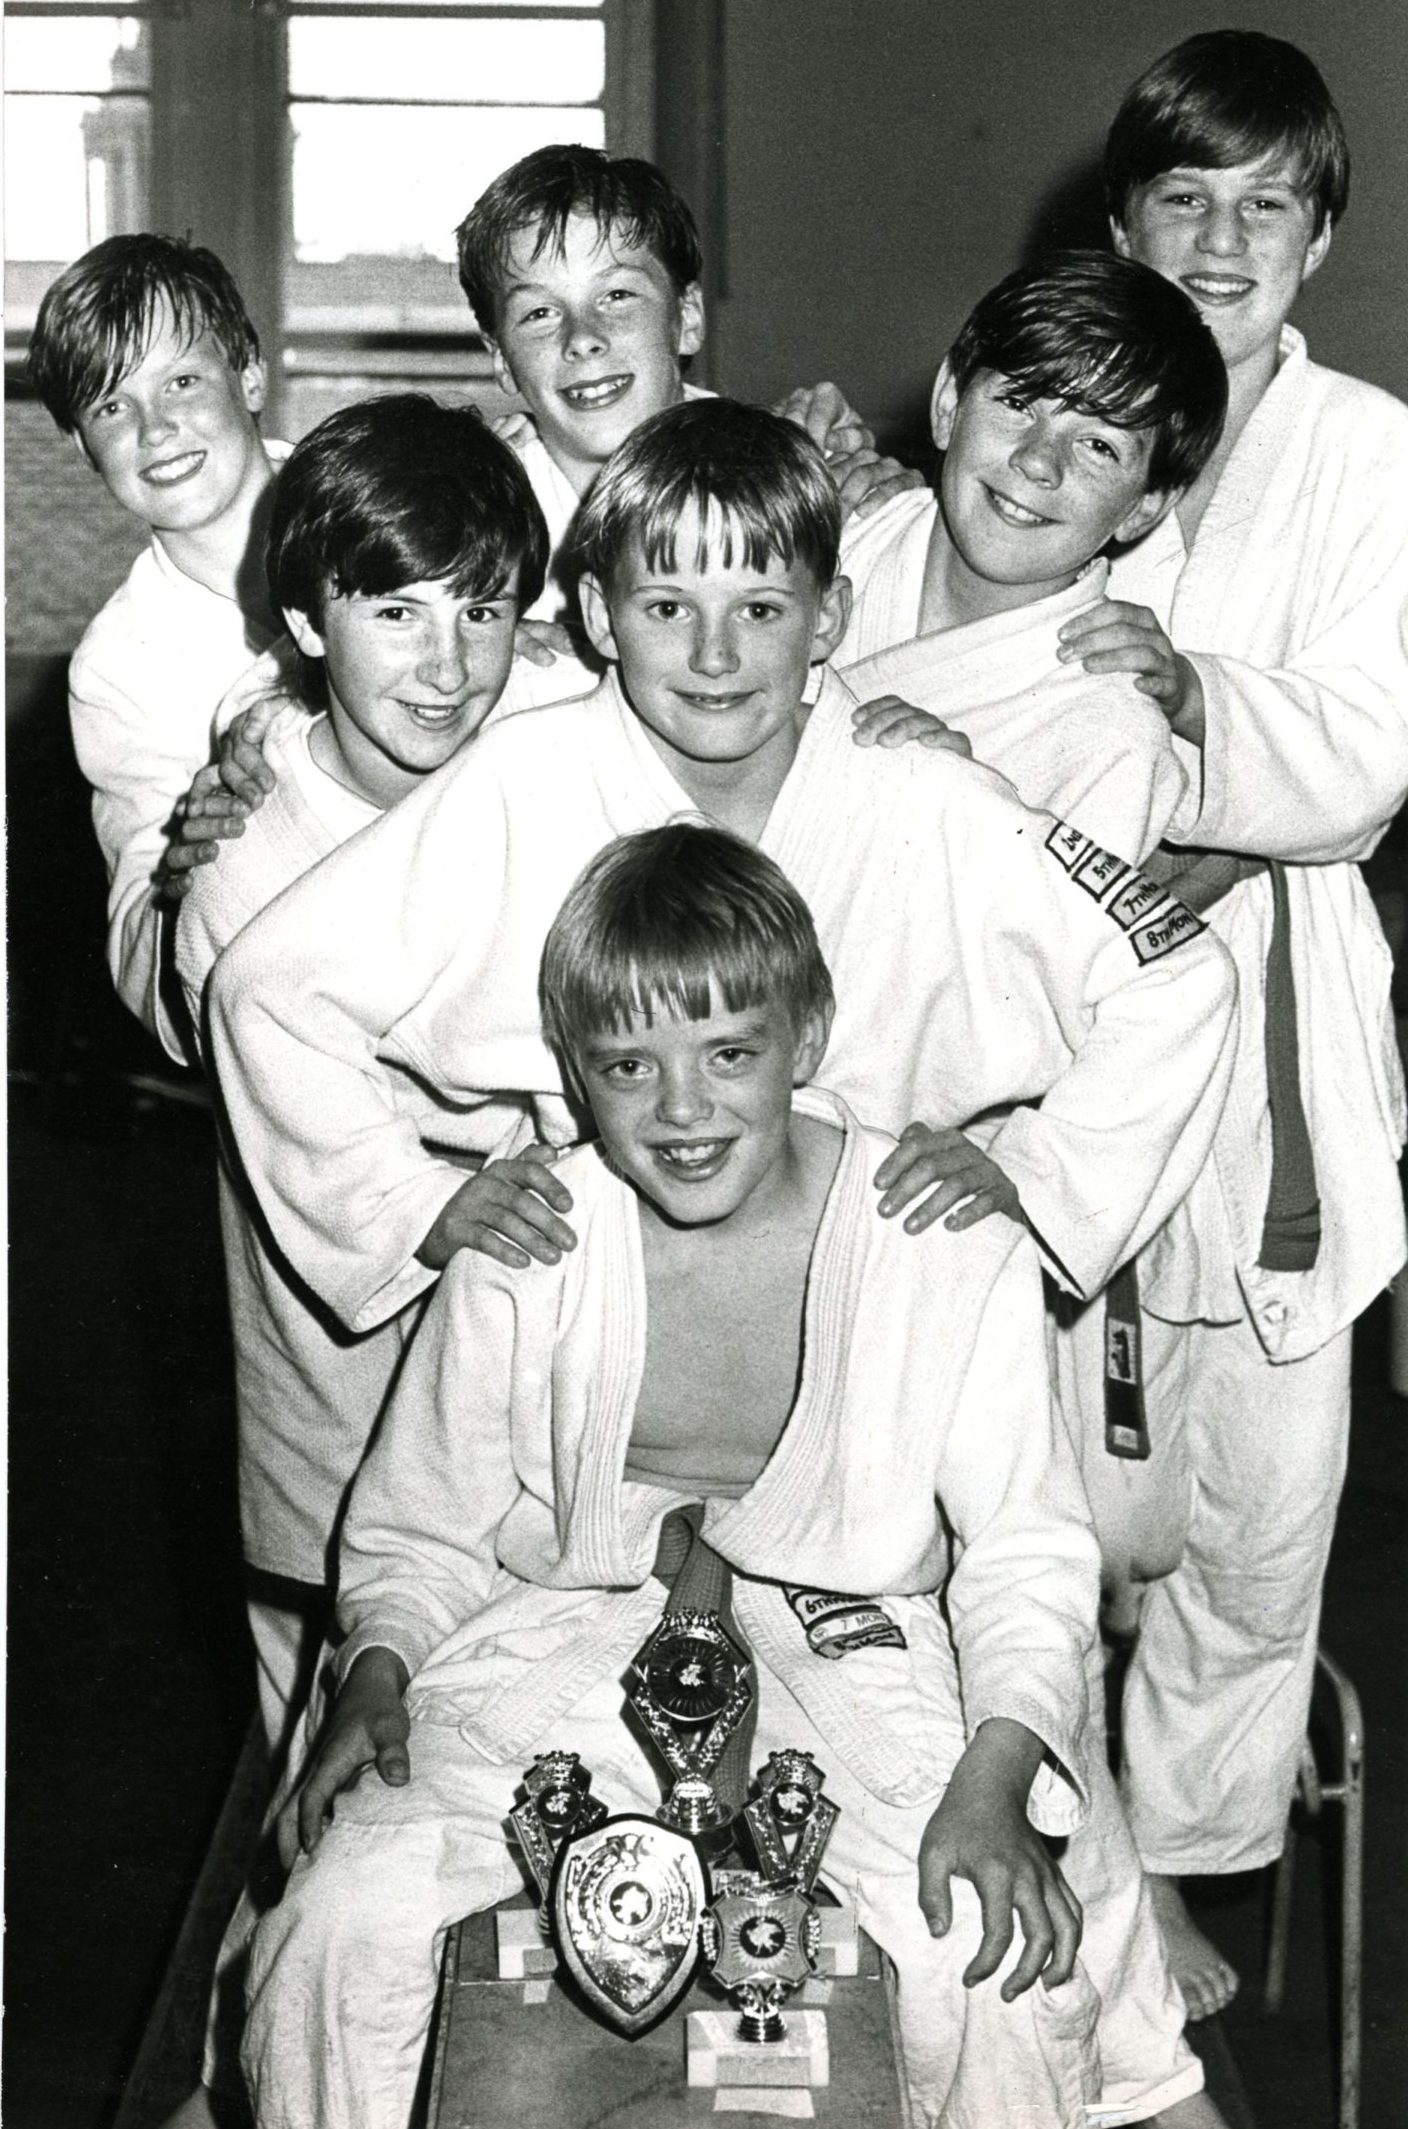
x=310 y=7
x=449 y=62
x=75 y=172
x=93 y=53
x=396 y=181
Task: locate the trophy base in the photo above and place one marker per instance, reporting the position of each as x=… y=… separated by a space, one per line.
x=839 y=1949
x=716 y=2054
x=522 y=1948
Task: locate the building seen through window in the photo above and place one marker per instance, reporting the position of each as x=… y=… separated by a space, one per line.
x=77 y=143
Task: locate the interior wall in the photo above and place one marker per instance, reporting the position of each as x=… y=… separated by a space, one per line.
x=885 y=161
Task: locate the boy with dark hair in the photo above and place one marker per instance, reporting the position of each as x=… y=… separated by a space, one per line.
x=1081 y=397
x=1284 y=572
x=504 y=1544
x=404 y=542
x=144 y=354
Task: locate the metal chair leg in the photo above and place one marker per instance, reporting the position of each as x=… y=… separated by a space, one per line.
x=1349 y=1791
x=1314 y=1794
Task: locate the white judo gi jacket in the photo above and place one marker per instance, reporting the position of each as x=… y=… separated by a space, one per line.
x=493 y=1542
x=145 y=686
x=982 y=955
x=1089 y=747
x=308 y=1391
x=1293 y=607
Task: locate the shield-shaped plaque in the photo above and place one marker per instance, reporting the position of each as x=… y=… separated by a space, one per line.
x=626 y=1900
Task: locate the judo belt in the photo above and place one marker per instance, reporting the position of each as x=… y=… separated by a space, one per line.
x=701 y=1580
x=1126 y=1421
x=1290 y=1235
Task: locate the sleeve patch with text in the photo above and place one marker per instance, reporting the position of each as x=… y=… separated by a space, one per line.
x=1172 y=927
x=1155 y=922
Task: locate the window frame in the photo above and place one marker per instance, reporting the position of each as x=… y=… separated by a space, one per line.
x=221 y=156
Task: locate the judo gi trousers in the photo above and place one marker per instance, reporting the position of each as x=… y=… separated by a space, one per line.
x=1233 y=1513
x=344 y=1971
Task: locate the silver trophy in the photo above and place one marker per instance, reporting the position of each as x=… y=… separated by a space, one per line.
x=560 y=1804
x=626 y=1903
x=790 y=1819
x=691 y=1689
x=761 y=1943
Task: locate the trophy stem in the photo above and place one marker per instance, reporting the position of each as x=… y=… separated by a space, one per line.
x=760 y=2017
x=693 y=1808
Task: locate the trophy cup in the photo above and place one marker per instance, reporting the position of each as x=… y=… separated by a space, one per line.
x=560 y=1803
x=790 y=1820
x=691 y=1689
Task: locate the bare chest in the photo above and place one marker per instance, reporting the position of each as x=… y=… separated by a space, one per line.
x=722 y=1362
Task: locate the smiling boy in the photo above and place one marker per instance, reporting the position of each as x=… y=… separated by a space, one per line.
x=403 y=540
x=504 y=1546
x=1282 y=580
x=583 y=272
x=143 y=353
x=1081 y=397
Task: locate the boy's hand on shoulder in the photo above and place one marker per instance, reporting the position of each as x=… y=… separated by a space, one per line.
x=240 y=756
x=368 y=1727
x=952 y=1170
x=889 y=721
x=867 y=481
x=980 y=1831
x=207 y=816
x=828 y=418
x=863 y=478
x=1117 y=637
x=543 y=642
x=516 y=428
x=509 y=1211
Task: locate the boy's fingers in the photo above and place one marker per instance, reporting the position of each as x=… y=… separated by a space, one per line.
x=541 y=1179
x=393 y=1764
x=286 y=1834
x=535 y=652
x=980 y=1206
x=1039 y=1942
x=936 y=1900
x=516 y=1227
x=899 y=1160
x=1067 y=1919
x=995 y=1897
x=885 y=488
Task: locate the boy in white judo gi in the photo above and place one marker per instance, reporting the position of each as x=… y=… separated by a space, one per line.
x=1282 y=580
x=985 y=955
x=583 y=271
x=144 y=353
x=403 y=544
x=498 y=1562
x=1080 y=398
x=403 y=541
